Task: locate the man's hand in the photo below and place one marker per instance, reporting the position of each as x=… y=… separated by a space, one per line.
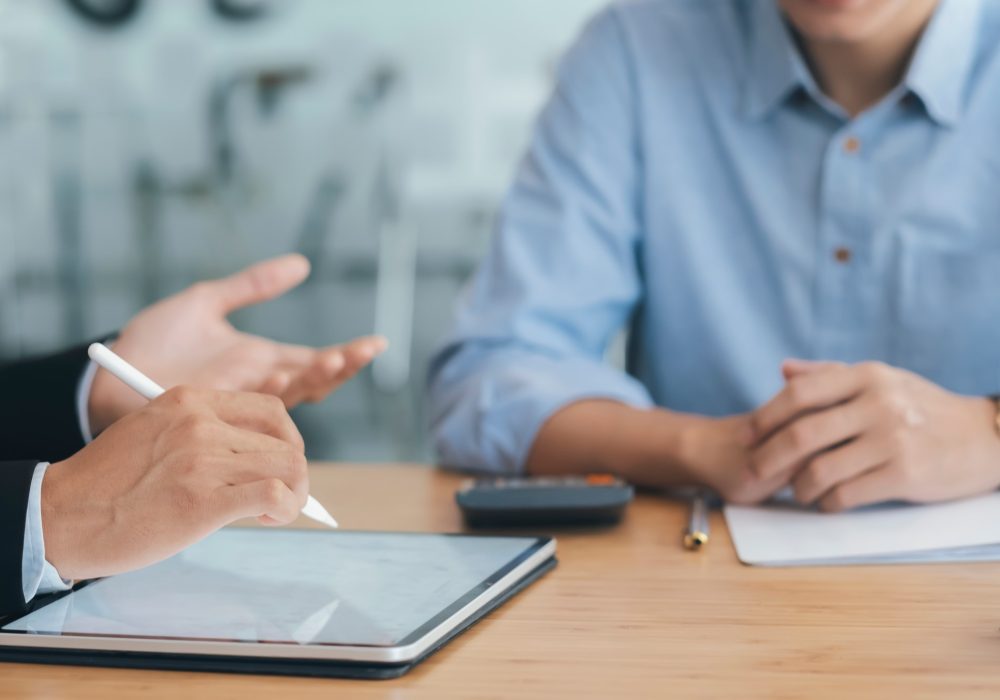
x=655 y=448
x=168 y=475
x=186 y=339
x=860 y=434
x=716 y=451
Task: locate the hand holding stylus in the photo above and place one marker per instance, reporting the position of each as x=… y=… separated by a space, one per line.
x=169 y=474
x=150 y=390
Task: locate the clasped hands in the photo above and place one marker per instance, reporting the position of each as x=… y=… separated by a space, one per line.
x=844 y=436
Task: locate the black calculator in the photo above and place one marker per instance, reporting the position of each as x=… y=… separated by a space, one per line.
x=595 y=499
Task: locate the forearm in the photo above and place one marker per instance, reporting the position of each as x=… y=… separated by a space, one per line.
x=647 y=447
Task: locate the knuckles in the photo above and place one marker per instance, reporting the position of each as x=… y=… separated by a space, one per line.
x=820 y=471
x=798 y=393
x=300 y=466
x=297 y=472
x=277 y=414
x=889 y=405
x=801 y=435
x=196 y=429
x=275 y=407
x=877 y=375
x=183 y=397
x=274 y=493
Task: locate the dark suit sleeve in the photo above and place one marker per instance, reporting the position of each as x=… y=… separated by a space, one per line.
x=38 y=423
x=38 y=416
x=15 y=482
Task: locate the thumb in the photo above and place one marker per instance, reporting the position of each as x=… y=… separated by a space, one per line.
x=259 y=283
x=794 y=367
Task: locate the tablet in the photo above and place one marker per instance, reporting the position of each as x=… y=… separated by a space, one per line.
x=304 y=602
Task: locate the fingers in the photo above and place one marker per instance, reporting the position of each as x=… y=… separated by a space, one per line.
x=365 y=349
x=326 y=370
x=317 y=380
x=794 y=368
x=205 y=432
x=807 y=392
x=277 y=384
x=269 y=500
x=290 y=468
x=243 y=442
x=221 y=452
x=744 y=488
x=874 y=486
x=829 y=469
x=258 y=412
x=257 y=283
x=804 y=437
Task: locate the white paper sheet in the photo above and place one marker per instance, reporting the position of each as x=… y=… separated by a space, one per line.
x=783 y=534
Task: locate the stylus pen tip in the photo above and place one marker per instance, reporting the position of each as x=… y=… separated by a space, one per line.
x=313 y=509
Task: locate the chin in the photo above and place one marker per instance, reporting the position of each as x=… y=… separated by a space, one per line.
x=841 y=20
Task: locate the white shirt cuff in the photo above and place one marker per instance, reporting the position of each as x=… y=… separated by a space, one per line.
x=38 y=577
x=83 y=399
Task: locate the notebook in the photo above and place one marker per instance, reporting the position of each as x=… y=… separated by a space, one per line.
x=784 y=534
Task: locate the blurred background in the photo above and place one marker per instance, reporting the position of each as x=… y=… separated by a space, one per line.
x=146 y=144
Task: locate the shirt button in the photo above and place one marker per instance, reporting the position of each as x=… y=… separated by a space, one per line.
x=842 y=255
x=852 y=144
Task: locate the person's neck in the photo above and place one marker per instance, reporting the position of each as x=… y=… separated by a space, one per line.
x=856 y=75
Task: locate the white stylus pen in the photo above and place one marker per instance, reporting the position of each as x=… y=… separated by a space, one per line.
x=149 y=389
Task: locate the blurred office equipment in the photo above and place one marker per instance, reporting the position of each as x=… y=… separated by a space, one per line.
x=375 y=136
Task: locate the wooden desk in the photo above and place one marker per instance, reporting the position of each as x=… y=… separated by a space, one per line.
x=628 y=613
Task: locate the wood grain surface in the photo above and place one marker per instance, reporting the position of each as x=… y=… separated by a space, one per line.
x=629 y=613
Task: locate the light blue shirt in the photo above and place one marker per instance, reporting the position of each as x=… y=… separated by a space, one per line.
x=689 y=181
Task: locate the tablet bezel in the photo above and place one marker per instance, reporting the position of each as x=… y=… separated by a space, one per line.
x=411 y=647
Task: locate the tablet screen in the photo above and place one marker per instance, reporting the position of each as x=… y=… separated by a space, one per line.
x=290 y=586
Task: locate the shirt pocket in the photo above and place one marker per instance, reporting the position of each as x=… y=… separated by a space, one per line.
x=948 y=314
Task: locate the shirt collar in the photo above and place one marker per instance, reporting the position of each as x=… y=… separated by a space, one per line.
x=775 y=68
x=940 y=70
x=938 y=73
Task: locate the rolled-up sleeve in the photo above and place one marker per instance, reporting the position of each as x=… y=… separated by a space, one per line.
x=561 y=277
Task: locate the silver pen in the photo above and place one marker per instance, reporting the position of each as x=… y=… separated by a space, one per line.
x=696 y=534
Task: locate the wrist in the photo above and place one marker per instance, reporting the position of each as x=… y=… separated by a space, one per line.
x=54 y=515
x=663 y=444
x=713 y=450
x=689 y=443
x=69 y=522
